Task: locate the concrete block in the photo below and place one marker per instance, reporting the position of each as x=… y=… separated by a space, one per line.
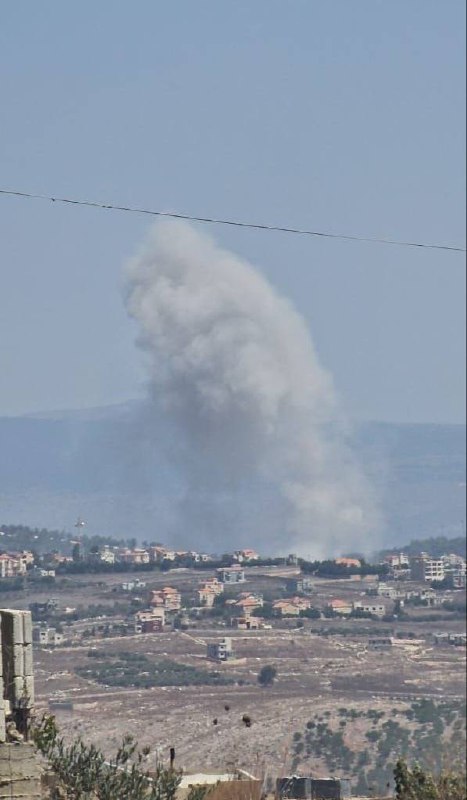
x=18 y=660
x=29 y=689
x=28 y=665
x=12 y=627
x=18 y=692
x=27 y=627
x=2 y=723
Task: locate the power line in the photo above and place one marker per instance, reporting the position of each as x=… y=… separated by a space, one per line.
x=234 y=223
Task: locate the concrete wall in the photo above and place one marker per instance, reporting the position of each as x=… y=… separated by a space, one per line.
x=19 y=772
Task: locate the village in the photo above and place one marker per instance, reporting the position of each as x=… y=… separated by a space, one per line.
x=161 y=642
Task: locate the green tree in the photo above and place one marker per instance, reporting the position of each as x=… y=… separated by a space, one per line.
x=267 y=675
x=85 y=774
x=418 y=784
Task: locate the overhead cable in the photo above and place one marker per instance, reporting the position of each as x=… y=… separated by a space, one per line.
x=231 y=222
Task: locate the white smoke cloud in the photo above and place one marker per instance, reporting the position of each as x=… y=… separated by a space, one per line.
x=233 y=368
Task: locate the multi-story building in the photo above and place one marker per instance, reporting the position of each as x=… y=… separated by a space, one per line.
x=167 y=598
x=303 y=585
x=455 y=570
x=220 y=651
x=231 y=575
x=46 y=636
x=13 y=565
x=150 y=620
x=425 y=568
x=397 y=560
x=208 y=591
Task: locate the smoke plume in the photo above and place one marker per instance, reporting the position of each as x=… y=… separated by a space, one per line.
x=261 y=445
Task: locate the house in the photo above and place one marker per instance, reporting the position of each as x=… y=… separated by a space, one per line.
x=220 y=651
x=397 y=560
x=341 y=607
x=208 y=591
x=348 y=562
x=158 y=553
x=375 y=609
x=246 y=556
x=168 y=598
x=231 y=575
x=106 y=555
x=149 y=621
x=290 y=607
x=247 y=602
x=390 y=592
x=301 y=585
x=247 y=623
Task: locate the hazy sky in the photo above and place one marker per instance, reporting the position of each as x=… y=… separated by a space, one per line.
x=329 y=114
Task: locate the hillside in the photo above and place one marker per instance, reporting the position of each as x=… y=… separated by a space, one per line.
x=108 y=466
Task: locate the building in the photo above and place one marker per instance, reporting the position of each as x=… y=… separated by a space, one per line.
x=390 y=592
x=300 y=788
x=424 y=568
x=301 y=585
x=231 y=575
x=455 y=570
x=246 y=556
x=397 y=560
x=455 y=639
x=158 y=553
x=47 y=637
x=105 y=555
x=247 y=603
x=167 y=598
x=375 y=609
x=378 y=643
x=348 y=562
x=131 y=586
x=150 y=621
x=290 y=606
x=12 y=565
x=220 y=651
x=247 y=623
x=208 y=590
x=341 y=607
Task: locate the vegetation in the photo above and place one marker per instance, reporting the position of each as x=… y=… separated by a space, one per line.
x=85 y=774
x=329 y=569
x=135 y=669
x=418 y=784
x=422 y=732
x=436 y=546
x=267 y=675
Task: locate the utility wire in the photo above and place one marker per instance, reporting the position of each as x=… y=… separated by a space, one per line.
x=234 y=223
